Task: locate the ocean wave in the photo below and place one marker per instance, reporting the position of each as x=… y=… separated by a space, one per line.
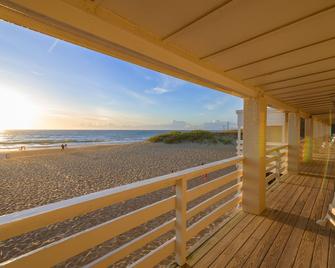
x=46 y=142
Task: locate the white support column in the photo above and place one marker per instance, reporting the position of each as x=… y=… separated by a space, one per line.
x=328 y=131
x=293 y=143
x=308 y=146
x=316 y=134
x=254 y=142
x=284 y=130
x=322 y=130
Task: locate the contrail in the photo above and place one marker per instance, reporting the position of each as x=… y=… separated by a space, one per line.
x=54 y=44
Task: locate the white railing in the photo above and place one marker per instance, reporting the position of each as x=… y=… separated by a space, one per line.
x=18 y=223
x=239 y=147
x=276 y=160
x=276 y=163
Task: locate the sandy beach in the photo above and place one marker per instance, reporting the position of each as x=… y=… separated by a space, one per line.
x=33 y=178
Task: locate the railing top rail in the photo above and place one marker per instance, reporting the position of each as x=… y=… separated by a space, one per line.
x=24 y=221
x=277 y=148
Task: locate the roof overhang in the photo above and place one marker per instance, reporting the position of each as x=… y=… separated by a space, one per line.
x=277 y=49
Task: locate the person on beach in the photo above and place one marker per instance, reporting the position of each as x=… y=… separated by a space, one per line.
x=62 y=146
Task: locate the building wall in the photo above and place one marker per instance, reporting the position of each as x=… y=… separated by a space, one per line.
x=274 y=118
x=274 y=133
x=275 y=124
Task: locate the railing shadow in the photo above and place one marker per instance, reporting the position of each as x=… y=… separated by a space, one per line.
x=296 y=221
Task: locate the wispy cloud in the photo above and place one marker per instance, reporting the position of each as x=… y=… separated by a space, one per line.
x=165 y=85
x=138 y=96
x=53 y=45
x=157 y=90
x=210 y=106
x=37 y=73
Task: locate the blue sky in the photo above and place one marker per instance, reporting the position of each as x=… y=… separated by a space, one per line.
x=66 y=86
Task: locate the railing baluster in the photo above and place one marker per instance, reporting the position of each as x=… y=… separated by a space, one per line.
x=25 y=221
x=181 y=221
x=277 y=153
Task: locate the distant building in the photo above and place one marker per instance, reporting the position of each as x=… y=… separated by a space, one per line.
x=275 y=131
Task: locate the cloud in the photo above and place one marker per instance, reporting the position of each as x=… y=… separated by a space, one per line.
x=157 y=90
x=210 y=106
x=138 y=96
x=165 y=85
x=37 y=73
x=53 y=45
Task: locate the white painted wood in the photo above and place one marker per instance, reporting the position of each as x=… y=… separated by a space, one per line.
x=181 y=221
x=65 y=248
x=155 y=256
x=275 y=149
x=254 y=138
x=270 y=177
x=276 y=158
x=214 y=215
x=70 y=246
x=293 y=142
x=132 y=246
x=213 y=200
x=24 y=221
x=308 y=146
x=212 y=185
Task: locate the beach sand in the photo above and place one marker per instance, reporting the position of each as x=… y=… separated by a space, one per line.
x=33 y=178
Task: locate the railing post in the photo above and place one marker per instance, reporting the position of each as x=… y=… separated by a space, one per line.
x=181 y=221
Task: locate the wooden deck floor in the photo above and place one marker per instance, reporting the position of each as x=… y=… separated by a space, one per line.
x=285 y=235
x=319 y=168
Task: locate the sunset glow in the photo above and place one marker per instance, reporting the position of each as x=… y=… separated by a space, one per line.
x=16 y=111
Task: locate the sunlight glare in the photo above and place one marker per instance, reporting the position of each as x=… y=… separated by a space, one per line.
x=16 y=110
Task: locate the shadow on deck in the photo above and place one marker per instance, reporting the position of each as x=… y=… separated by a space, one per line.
x=285 y=235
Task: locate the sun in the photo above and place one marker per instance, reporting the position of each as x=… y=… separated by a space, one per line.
x=17 y=111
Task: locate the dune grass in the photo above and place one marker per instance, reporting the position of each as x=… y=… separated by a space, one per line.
x=198 y=136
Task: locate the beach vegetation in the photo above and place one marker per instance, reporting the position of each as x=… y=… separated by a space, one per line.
x=198 y=136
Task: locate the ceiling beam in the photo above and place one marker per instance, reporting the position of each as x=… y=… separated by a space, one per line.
x=300 y=84
x=277 y=28
x=329 y=93
x=279 y=55
x=293 y=78
x=300 y=90
x=290 y=67
x=321 y=103
x=313 y=99
x=196 y=19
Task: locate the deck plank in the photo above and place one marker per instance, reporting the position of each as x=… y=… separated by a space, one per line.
x=321 y=247
x=263 y=246
x=276 y=192
x=228 y=253
x=305 y=251
x=225 y=241
x=331 y=253
x=291 y=248
x=212 y=241
x=279 y=243
x=243 y=253
x=285 y=235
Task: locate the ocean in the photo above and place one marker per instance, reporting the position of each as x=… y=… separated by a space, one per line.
x=11 y=140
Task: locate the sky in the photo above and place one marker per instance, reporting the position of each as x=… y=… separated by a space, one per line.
x=46 y=83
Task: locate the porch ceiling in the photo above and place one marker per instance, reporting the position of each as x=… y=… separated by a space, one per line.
x=281 y=48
